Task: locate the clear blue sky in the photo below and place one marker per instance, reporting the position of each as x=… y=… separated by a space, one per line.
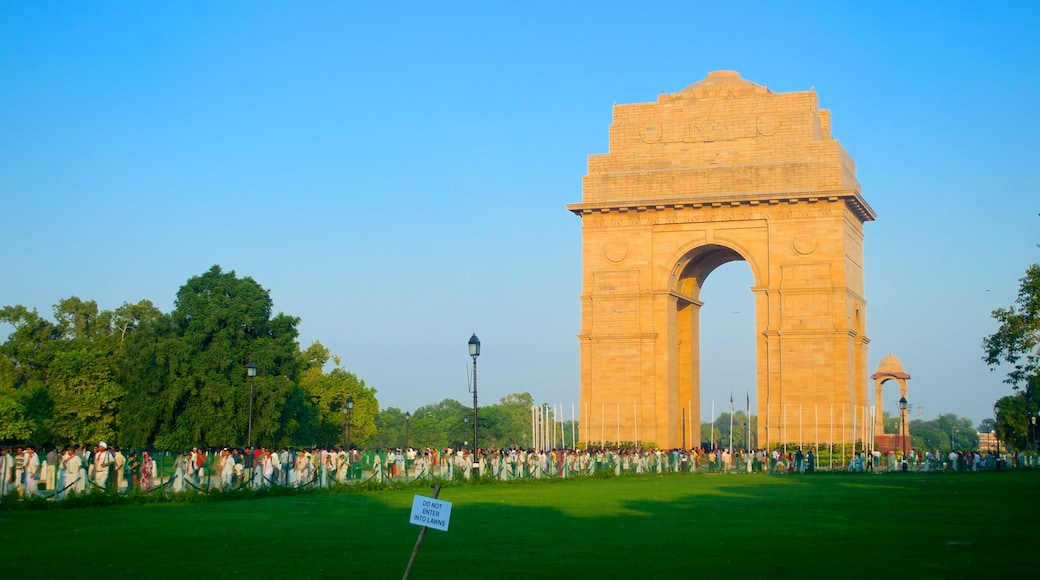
x=396 y=175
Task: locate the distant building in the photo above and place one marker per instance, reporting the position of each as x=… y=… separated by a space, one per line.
x=988 y=441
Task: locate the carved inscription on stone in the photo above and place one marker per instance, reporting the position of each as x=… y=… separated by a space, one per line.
x=624 y=282
x=709 y=129
x=616 y=306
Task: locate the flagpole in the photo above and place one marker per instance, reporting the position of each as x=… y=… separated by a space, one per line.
x=635 y=425
x=830 y=446
x=731 y=423
x=546 y=428
x=750 y=426
x=689 y=414
x=855 y=427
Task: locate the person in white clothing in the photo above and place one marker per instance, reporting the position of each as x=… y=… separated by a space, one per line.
x=102 y=459
x=32 y=470
x=6 y=470
x=73 y=478
x=226 y=468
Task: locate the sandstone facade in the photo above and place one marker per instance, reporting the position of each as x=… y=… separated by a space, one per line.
x=724 y=170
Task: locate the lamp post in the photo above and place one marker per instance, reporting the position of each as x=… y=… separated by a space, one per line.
x=902 y=429
x=348 y=410
x=996 y=430
x=250 y=372
x=348 y=407
x=407 y=421
x=474 y=351
x=1033 y=430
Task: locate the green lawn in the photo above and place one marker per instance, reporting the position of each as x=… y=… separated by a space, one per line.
x=757 y=526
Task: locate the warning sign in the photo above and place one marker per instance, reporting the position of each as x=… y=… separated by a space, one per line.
x=432 y=513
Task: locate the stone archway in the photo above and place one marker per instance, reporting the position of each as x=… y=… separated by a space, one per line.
x=724 y=170
x=889 y=369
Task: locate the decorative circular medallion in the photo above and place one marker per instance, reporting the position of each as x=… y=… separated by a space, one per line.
x=616 y=251
x=767 y=126
x=651 y=134
x=804 y=244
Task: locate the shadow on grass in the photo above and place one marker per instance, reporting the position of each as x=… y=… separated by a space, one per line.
x=915 y=525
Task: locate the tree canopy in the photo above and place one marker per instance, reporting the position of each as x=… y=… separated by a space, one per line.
x=1016 y=344
x=1017 y=340
x=138 y=377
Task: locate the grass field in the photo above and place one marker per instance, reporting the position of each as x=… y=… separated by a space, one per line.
x=742 y=526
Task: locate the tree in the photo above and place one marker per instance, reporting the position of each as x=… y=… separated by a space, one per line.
x=1016 y=415
x=947 y=431
x=24 y=359
x=59 y=379
x=200 y=393
x=891 y=424
x=141 y=378
x=721 y=439
x=86 y=398
x=507 y=424
x=326 y=395
x=440 y=425
x=1017 y=340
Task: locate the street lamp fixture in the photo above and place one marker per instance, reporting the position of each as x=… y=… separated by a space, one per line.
x=348 y=410
x=251 y=373
x=474 y=351
x=902 y=429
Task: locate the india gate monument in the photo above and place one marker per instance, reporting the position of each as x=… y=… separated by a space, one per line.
x=723 y=170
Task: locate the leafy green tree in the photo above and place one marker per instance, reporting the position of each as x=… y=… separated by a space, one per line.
x=58 y=378
x=86 y=398
x=1015 y=422
x=507 y=424
x=130 y=318
x=24 y=358
x=947 y=431
x=440 y=425
x=202 y=397
x=891 y=424
x=1017 y=340
x=741 y=434
x=146 y=353
x=29 y=348
x=389 y=429
x=325 y=420
x=927 y=435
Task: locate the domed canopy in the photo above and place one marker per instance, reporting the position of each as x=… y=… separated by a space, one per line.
x=890 y=367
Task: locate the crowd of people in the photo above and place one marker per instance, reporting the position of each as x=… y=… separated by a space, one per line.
x=104 y=468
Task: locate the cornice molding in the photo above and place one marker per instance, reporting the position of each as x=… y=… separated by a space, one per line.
x=855 y=202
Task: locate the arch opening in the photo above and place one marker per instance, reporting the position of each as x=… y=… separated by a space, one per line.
x=716 y=346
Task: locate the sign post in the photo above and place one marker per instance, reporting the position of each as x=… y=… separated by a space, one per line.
x=428 y=512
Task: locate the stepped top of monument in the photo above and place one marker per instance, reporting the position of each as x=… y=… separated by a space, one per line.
x=720 y=83
x=724 y=140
